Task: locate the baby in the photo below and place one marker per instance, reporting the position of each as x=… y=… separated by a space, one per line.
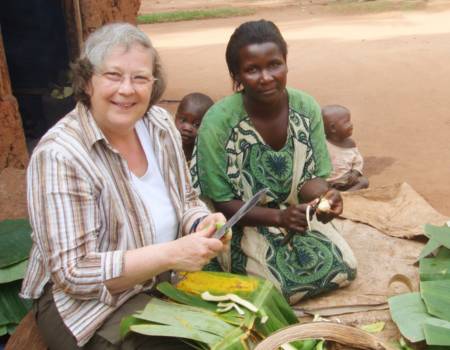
x=345 y=157
x=189 y=115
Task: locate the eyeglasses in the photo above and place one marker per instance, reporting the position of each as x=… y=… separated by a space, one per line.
x=136 y=80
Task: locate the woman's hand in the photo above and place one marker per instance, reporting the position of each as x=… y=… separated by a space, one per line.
x=294 y=218
x=336 y=206
x=212 y=220
x=217 y=220
x=192 y=252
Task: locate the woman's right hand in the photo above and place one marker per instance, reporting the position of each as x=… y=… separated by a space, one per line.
x=192 y=252
x=294 y=218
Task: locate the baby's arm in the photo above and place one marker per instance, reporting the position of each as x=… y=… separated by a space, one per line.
x=357 y=180
x=345 y=182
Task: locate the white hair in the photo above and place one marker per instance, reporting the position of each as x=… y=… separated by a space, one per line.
x=103 y=40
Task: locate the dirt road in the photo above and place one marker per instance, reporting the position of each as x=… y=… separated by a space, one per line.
x=392 y=70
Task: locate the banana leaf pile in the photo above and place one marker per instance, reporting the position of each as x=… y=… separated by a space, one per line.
x=15 y=244
x=426 y=315
x=204 y=325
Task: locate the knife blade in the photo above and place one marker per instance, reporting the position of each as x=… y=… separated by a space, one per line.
x=240 y=213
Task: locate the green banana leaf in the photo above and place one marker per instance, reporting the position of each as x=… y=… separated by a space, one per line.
x=127 y=322
x=7 y=329
x=235 y=340
x=170 y=331
x=163 y=318
x=13 y=272
x=264 y=296
x=436 y=295
x=443 y=253
x=429 y=248
x=321 y=345
x=438 y=236
x=12 y=308
x=437 y=332
x=15 y=241
x=439 y=233
x=426 y=315
x=307 y=344
x=202 y=326
x=409 y=313
x=173 y=293
x=432 y=269
x=159 y=311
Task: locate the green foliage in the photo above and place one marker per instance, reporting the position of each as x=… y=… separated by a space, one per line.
x=15 y=241
x=437 y=332
x=15 y=244
x=409 y=313
x=188 y=15
x=378 y=6
x=196 y=320
x=12 y=308
x=437 y=268
x=426 y=315
x=436 y=295
x=438 y=236
x=14 y=272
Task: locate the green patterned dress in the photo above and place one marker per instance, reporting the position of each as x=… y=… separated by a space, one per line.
x=232 y=161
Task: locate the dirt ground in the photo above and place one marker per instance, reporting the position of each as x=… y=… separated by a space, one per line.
x=391 y=69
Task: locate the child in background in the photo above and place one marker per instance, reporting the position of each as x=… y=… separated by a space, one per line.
x=347 y=161
x=189 y=115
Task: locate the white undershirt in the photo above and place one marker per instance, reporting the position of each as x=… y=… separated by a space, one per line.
x=153 y=192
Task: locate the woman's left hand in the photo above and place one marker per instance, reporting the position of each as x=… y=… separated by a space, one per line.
x=336 y=206
x=212 y=219
x=217 y=220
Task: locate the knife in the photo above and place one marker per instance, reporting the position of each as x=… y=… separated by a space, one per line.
x=240 y=213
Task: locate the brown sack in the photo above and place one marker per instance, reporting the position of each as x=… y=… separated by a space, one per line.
x=396 y=210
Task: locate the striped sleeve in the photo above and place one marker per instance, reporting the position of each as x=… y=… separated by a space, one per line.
x=66 y=221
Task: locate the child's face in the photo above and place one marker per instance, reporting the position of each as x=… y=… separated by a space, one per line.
x=343 y=126
x=187 y=121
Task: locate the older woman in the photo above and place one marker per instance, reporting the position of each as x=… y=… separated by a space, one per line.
x=110 y=200
x=267 y=135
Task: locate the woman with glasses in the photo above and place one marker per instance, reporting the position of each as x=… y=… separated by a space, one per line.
x=110 y=200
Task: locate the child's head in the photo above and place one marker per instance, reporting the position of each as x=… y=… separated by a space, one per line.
x=189 y=115
x=337 y=122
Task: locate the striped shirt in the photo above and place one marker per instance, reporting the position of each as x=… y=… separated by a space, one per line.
x=85 y=214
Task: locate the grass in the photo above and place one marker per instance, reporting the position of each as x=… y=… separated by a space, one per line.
x=361 y=7
x=189 y=15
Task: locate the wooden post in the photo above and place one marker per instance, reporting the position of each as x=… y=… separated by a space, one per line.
x=78 y=23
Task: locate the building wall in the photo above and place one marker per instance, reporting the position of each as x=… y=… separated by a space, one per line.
x=95 y=13
x=13 y=151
